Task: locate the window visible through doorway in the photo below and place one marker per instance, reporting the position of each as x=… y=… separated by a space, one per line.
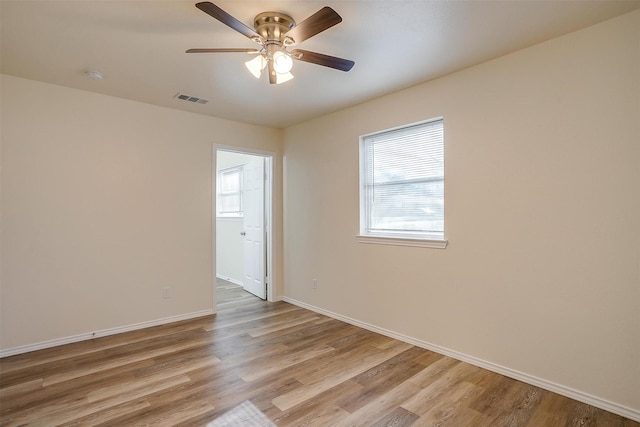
x=230 y=192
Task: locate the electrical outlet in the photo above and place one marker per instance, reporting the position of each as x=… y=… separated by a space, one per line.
x=314 y=283
x=166 y=292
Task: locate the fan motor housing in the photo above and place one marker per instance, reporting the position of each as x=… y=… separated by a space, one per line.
x=273 y=25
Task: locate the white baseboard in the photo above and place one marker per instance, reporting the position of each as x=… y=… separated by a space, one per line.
x=229 y=279
x=103 y=333
x=580 y=396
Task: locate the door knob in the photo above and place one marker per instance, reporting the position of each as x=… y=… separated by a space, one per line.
x=242 y=233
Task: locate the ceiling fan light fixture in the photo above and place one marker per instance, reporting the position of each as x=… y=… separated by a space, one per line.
x=256 y=65
x=282 y=62
x=275 y=32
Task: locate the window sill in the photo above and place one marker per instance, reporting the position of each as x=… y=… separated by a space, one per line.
x=403 y=241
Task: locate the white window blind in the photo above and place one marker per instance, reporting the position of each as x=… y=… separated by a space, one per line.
x=230 y=192
x=402 y=182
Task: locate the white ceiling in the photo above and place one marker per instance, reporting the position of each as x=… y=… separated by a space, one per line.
x=139 y=46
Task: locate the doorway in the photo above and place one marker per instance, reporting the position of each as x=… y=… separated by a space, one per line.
x=242 y=225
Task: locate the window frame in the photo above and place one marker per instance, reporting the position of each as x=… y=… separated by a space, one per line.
x=397 y=238
x=219 y=193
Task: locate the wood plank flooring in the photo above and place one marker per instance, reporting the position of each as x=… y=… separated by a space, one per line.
x=262 y=364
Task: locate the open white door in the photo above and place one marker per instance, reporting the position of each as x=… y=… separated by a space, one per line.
x=254 y=231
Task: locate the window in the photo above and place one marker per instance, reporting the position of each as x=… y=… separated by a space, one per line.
x=402 y=185
x=230 y=192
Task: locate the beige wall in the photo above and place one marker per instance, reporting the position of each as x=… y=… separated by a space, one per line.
x=542 y=271
x=105 y=202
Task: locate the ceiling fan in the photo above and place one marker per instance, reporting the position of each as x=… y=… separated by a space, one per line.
x=275 y=32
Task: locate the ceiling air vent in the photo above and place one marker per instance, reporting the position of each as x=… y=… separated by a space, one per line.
x=190 y=98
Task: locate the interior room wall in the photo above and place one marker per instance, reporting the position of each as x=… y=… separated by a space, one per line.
x=105 y=202
x=229 y=242
x=230 y=250
x=542 y=207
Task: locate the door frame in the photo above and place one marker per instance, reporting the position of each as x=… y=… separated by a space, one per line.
x=268 y=212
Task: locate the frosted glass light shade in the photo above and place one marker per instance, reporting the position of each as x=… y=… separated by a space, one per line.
x=283 y=77
x=282 y=62
x=256 y=65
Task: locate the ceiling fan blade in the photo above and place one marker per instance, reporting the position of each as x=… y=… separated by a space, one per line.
x=273 y=79
x=222 y=16
x=216 y=50
x=322 y=59
x=318 y=22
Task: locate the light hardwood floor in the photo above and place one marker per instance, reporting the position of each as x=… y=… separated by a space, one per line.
x=269 y=361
